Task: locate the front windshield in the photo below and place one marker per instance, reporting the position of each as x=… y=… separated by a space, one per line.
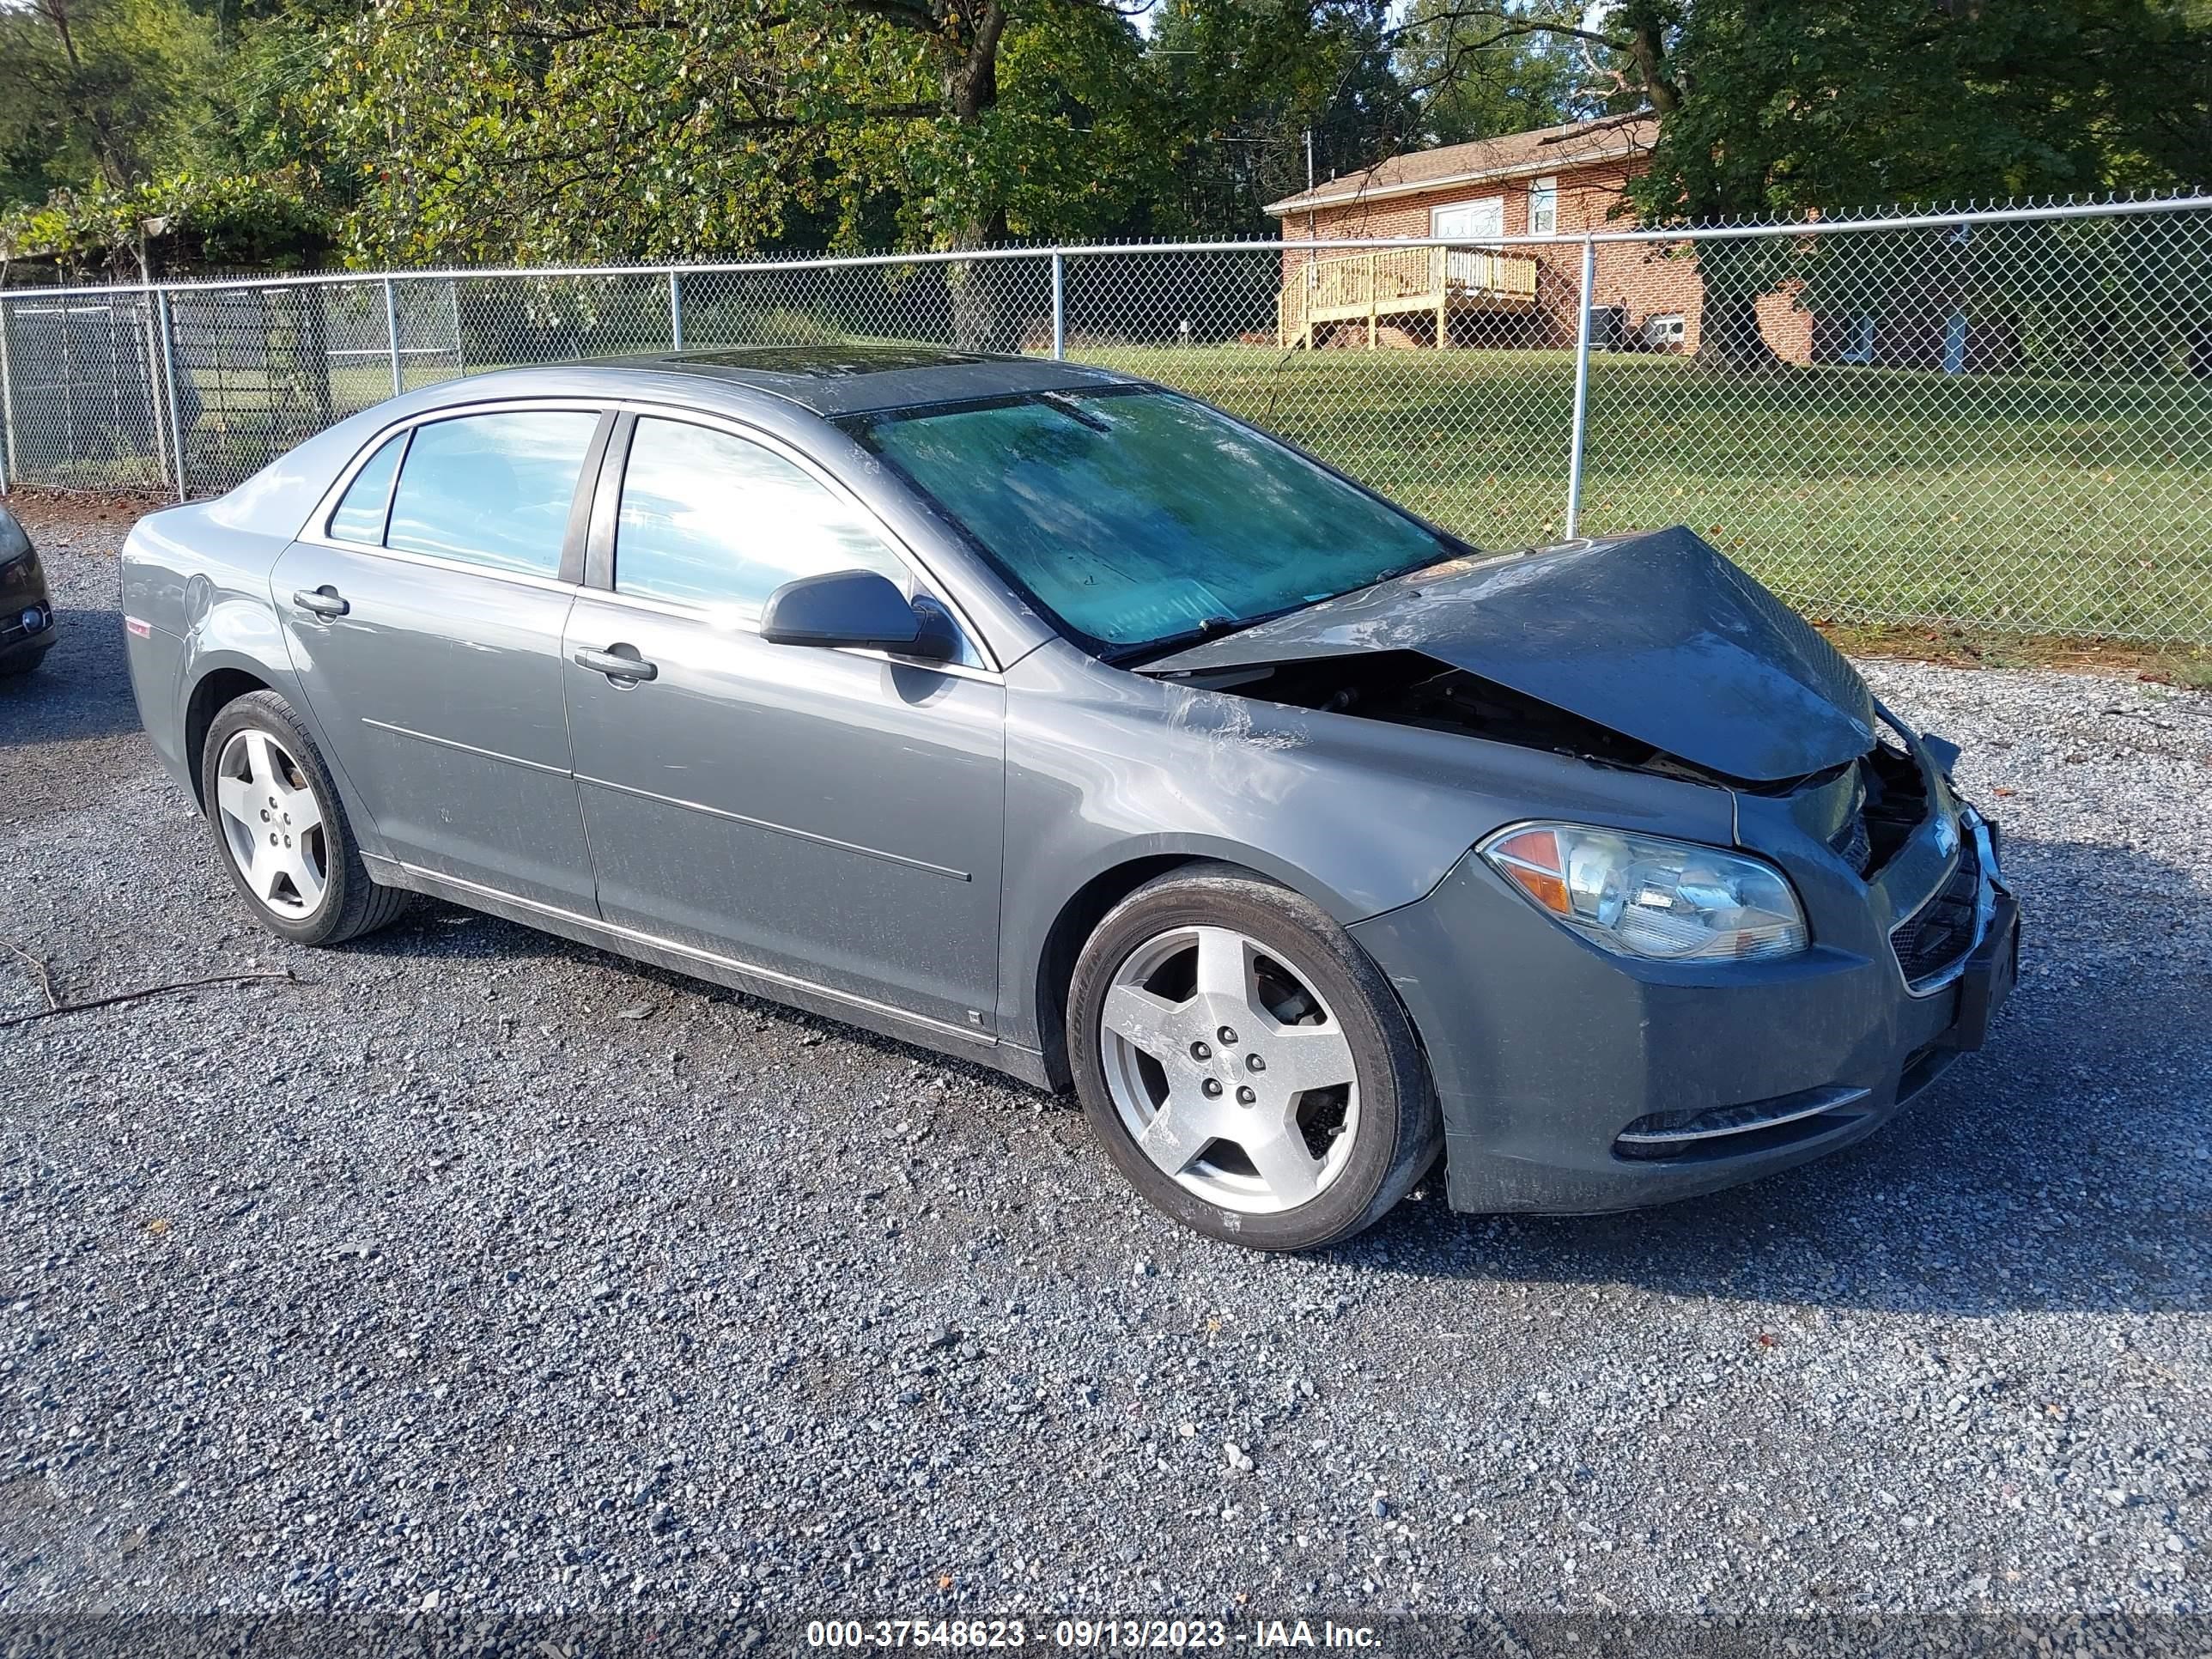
x=1136 y=518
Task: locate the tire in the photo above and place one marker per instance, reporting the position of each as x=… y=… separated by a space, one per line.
x=257 y=768
x=1201 y=1100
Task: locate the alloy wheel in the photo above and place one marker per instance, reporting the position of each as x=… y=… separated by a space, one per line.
x=272 y=824
x=1230 y=1071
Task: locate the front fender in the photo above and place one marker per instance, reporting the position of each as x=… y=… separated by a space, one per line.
x=1104 y=769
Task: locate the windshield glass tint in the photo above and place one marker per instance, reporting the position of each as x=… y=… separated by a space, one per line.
x=1136 y=517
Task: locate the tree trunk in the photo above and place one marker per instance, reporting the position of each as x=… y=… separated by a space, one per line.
x=1729 y=335
x=970 y=82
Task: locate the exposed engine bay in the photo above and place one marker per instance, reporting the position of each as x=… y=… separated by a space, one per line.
x=1409 y=688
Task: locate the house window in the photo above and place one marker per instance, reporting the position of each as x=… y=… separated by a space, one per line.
x=1862 y=347
x=1544 y=207
x=1664 y=333
x=1469 y=221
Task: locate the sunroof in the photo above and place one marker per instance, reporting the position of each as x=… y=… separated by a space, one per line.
x=823 y=359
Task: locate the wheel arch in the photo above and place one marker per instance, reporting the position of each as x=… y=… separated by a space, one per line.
x=211 y=693
x=1081 y=912
x=1079 y=917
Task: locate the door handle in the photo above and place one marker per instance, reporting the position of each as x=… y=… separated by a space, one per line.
x=617 y=667
x=324 y=601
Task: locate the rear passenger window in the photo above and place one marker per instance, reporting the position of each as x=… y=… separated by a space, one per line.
x=360 y=516
x=492 y=489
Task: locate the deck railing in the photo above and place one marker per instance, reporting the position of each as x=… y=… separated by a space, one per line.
x=1386 y=282
x=1405 y=273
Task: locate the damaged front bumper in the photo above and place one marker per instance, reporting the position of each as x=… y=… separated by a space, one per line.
x=1572 y=1080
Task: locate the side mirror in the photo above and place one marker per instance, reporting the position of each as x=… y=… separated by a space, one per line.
x=846 y=607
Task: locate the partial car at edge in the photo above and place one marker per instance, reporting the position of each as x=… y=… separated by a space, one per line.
x=26 y=611
x=1054 y=719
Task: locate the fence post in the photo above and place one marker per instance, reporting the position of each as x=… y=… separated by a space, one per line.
x=1058 y=307
x=392 y=331
x=169 y=380
x=1585 y=295
x=147 y=325
x=7 y=403
x=676 y=311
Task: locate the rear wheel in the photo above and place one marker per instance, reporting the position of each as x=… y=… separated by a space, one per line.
x=1245 y=1064
x=282 y=829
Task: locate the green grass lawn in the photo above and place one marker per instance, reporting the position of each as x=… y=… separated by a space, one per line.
x=2004 y=504
x=2009 y=503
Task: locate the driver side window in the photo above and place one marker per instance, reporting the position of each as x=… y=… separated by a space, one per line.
x=712 y=520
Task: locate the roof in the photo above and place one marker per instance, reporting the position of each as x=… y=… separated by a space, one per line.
x=854 y=378
x=1519 y=155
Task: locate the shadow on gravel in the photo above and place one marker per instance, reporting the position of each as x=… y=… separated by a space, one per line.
x=451 y=933
x=81 y=690
x=2066 y=1167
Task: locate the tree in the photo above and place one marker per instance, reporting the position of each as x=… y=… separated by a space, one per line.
x=653 y=128
x=1469 y=85
x=1232 y=92
x=1782 y=106
x=92 y=90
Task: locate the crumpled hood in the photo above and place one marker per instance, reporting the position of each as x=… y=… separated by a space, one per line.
x=1657 y=636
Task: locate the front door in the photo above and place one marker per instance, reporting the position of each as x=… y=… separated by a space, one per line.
x=425 y=622
x=828 y=817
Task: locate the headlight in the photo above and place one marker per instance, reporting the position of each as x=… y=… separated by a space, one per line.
x=1638 y=896
x=15 y=544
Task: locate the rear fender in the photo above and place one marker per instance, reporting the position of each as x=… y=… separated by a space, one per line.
x=239 y=632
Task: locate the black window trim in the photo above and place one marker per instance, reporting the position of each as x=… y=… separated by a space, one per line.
x=404 y=437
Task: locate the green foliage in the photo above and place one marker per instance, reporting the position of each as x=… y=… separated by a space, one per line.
x=94 y=92
x=1779 y=105
x=658 y=128
x=261 y=219
x=1234 y=89
x=260 y=132
x=1483 y=75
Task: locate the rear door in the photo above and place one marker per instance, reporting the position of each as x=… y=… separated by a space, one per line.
x=424 y=618
x=832 y=817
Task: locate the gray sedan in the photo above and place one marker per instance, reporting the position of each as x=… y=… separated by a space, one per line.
x=1058 y=721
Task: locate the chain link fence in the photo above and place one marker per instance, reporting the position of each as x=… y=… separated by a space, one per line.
x=1999 y=420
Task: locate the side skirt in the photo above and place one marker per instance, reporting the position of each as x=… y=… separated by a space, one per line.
x=1020 y=1063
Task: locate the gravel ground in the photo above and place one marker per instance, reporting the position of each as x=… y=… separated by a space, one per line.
x=480 y=1273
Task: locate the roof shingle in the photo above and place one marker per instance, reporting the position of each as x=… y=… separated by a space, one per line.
x=1547 y=150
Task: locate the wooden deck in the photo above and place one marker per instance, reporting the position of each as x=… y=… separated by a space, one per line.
x=1430 y=282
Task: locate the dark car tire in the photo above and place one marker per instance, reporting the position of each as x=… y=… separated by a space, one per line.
x=1398 y=1134
x=350 y=903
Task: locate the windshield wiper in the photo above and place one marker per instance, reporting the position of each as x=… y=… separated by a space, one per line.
x=1212 y=628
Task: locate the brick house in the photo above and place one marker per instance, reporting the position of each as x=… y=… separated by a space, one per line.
x=1558 y=180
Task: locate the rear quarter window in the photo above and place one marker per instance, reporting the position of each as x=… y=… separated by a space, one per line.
x=360 y=516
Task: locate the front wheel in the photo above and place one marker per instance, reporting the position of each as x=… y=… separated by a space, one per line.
x=1245 y=1064
x=282 y=829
